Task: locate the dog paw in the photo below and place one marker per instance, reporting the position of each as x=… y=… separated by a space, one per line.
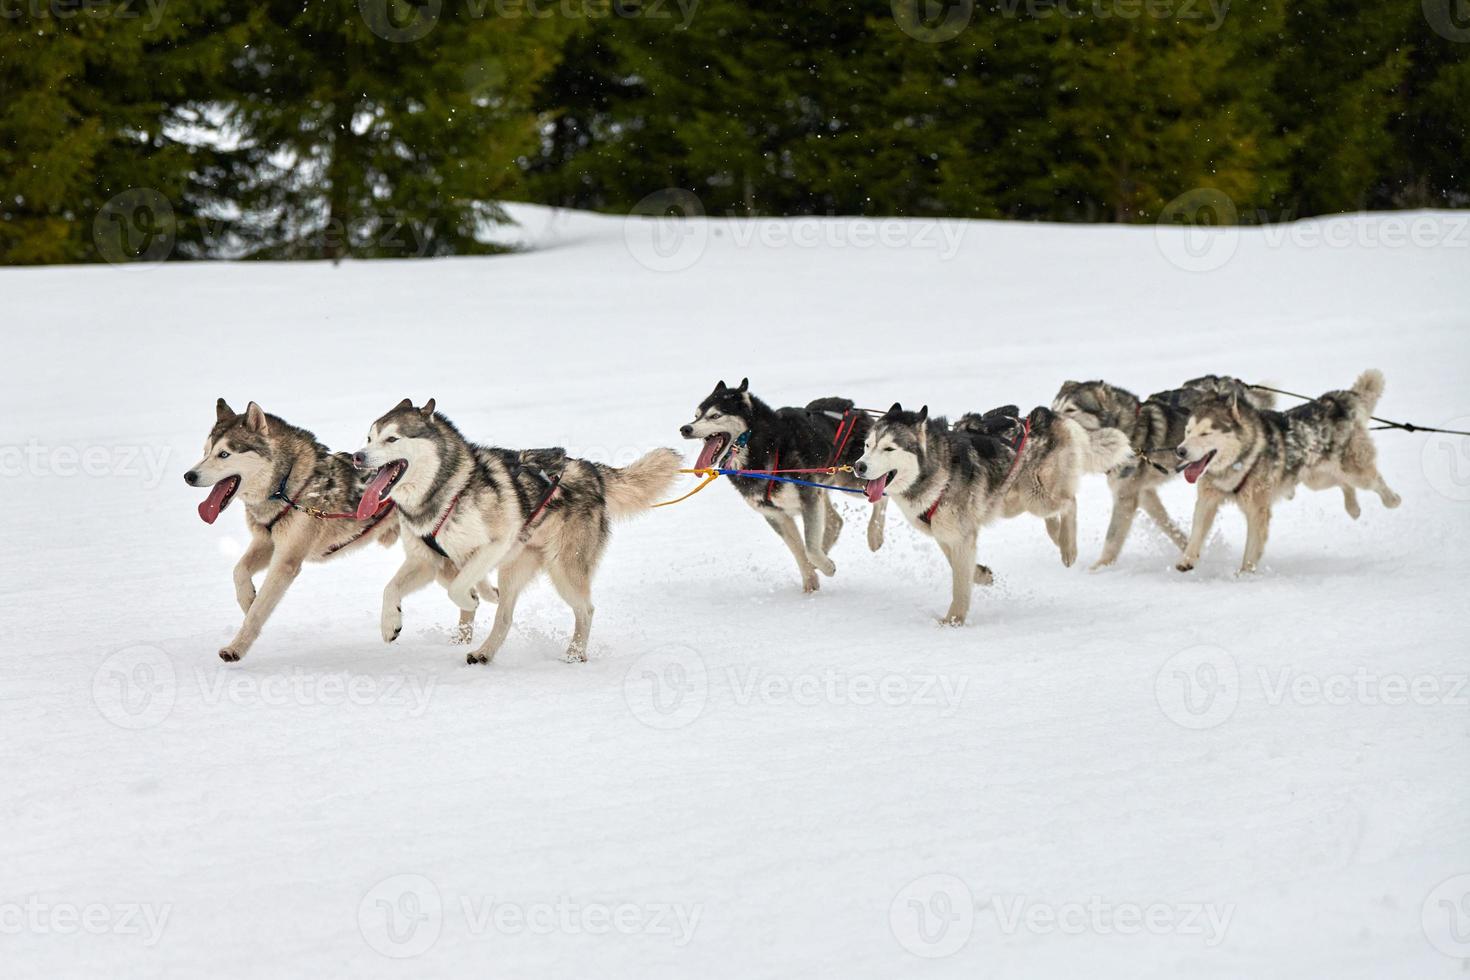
x=1069 y=557
x=984 y=576
x=1101 y=563
x=1185 y=566
x=1392 y=500
x=230 y=655
x=810 y=582
x=463 y=633
x=392 y=624
x=1245 y=570
x=824 y=565
x=875 y=537
x=476 y=658
x=464 y=599
x=952 y=619
x=575 y=656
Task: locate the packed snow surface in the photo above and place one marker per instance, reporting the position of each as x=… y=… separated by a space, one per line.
x=1122 y=773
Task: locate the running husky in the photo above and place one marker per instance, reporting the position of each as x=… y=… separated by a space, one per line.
x=742 y=432
x=300 y=501
x=485 y=508
x=1237 y=452
x=951 y=482
x=1154 y=427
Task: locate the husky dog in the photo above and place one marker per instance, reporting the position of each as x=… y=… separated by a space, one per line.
x=951 y=482
x=742 y=432
x=300 y=502
x=1154 y=427
x=485 y=508
x=1237 y=452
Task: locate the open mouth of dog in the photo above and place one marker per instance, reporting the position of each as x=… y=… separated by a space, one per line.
x=1193 y=471
x=874 y=488
x=219 y=498
x=713 y=446
x=379 y=487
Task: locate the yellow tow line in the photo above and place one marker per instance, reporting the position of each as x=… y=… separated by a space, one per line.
x=710 y=476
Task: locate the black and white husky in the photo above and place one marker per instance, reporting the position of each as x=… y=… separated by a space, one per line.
x=494 y=509
x=742 y=432
x=950 y=481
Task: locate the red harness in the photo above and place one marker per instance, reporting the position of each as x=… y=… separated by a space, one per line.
x=1025 y=434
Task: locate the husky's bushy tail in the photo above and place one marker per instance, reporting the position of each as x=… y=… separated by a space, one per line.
x=1369 y=387
x=638 y=486
x=1106 y=448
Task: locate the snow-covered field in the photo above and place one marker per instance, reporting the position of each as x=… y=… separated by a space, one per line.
x=1125 y=773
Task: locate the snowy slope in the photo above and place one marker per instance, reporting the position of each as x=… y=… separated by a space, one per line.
x=1127 y=773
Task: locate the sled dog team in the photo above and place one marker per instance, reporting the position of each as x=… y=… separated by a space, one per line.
x=464 y=510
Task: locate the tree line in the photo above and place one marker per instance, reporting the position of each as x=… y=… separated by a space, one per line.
x=324 y=128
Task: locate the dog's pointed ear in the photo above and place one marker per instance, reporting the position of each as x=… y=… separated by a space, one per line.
x=744 y=384
x=407 y=403
x=223 y=411
x=255 y=418
x=895 y=408
x=428 y=409
x=923 y=414
x=720 y=385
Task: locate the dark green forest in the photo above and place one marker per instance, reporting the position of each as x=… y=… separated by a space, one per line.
x=328 y=128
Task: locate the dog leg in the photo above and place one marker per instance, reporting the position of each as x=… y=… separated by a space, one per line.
x=416 y=572
x=875 y=524
x=1154 y=508
x=961 y=555
x=783 y=525
x=1206 y=506
x=257 y=556
x=514 y=576
x=814 y=523
x=471 y=573
x=1067 y=532
x=834 y=525
x=1389 y=498
x=573 y=582
x=1125 y=504
x=1350 y=502
x=1257 y=526
x=1053 y=529
x=284 y=568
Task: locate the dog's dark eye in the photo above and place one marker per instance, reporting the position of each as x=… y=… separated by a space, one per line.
x=223 y=454
x=715 y=415
x=391 y=439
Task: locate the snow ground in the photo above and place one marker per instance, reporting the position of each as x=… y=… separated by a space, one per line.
x=1128 y=773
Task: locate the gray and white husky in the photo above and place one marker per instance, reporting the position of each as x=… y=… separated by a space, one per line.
x=1154 y=427
x=1251 y=457
x=300 y=506
x=488 y=509
x=952 y=481
x=742 y=432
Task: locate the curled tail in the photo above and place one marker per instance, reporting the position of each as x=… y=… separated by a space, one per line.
x=1369 y=387
x=637 y=486
x=1106 y=448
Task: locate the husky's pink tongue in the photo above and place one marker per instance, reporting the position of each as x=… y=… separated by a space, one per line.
x=372 y=495
x=712 y=447
x=219 y=495
x=1195 y=470
x=876 y=487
